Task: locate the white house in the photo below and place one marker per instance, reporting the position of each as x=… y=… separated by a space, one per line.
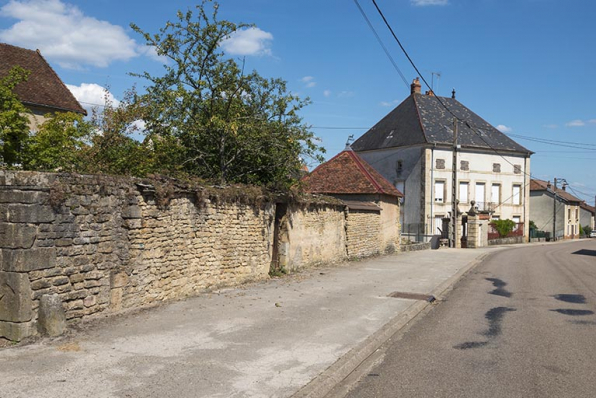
x=413 y=148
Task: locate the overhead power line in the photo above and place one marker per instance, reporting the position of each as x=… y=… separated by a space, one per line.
x=573 y=145
x=566 y=144
x=545 y=140
x=382 y=44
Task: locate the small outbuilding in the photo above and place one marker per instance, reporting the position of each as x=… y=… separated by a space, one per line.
x=372 y=203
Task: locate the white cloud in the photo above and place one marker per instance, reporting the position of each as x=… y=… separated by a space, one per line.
x=429 y=2
x=592 y=121
x=504 y=129
x=251 y=41
x=309 y=81
x=576 y=123
x=65 y=35
x=551 y=126
x=91 y=95
x=327 y=93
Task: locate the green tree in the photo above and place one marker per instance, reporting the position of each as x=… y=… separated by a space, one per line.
x=14 y=126
x=58 y=143
x=112 y=149
x=226 y=125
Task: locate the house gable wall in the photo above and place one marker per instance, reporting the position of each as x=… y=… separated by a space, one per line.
x=409 y=180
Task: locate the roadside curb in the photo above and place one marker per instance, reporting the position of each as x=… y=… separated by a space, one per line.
x=324 y=383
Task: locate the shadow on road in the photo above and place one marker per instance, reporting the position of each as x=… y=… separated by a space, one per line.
x=586 y=252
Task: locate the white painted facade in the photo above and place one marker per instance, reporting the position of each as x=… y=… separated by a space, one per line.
x=492 y=181
x=424 y=175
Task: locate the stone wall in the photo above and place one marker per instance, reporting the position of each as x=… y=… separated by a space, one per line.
x=364 y=236
x=414 y=247
x=85 y=245
x=506 y=241
x=101 y=243
x=313 y=235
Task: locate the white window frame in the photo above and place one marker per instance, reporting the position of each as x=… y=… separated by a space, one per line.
x=492 y=194
x=516 y=198
x=481 y=204
x=464 y=198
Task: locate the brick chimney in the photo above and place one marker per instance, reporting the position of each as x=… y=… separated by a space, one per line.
x=415 y=86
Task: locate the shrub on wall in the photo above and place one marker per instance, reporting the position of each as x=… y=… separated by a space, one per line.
x=503 y=227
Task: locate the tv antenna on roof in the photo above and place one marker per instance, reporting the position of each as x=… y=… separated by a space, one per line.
x=432 y=82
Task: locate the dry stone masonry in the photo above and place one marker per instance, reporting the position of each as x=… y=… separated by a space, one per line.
x=72 y=246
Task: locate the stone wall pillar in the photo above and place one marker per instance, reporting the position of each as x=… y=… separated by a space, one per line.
x=477 y=232
x=473 y=232
x=22 y=209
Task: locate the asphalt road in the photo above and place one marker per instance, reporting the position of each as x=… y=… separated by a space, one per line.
x=521 y=324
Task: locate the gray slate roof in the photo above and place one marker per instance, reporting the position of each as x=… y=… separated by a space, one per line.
x=421 y=119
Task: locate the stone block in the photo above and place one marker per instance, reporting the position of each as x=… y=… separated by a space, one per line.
x=133 y=224
x=51 y=318
x=15 y=297
x=118 y=279
x=27 y=197
x=30 y=214
x=27 y=260
x=17 y=236
x=17 y=331
x=132 y=212
x=116 y=299
x=90 y=301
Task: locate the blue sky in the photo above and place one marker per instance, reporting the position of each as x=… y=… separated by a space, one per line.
x=527 y=66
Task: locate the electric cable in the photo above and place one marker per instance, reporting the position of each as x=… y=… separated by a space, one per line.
x=382 y=44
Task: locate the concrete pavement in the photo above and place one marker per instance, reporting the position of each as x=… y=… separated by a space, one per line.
x=293 y=336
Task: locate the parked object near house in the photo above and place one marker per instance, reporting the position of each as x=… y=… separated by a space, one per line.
x=543 y=211
x=43 y=92
x=412 y=147
x=372 y=202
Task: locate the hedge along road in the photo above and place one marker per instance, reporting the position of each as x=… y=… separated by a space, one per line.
x=521 y=324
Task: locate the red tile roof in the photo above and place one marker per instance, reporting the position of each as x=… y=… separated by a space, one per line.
x=348 y=173
x=540 y=185
x=44 y=87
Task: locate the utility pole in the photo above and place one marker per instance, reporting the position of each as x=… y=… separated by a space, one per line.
x=564 y=184
x=555 y=211
x=454 y=185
